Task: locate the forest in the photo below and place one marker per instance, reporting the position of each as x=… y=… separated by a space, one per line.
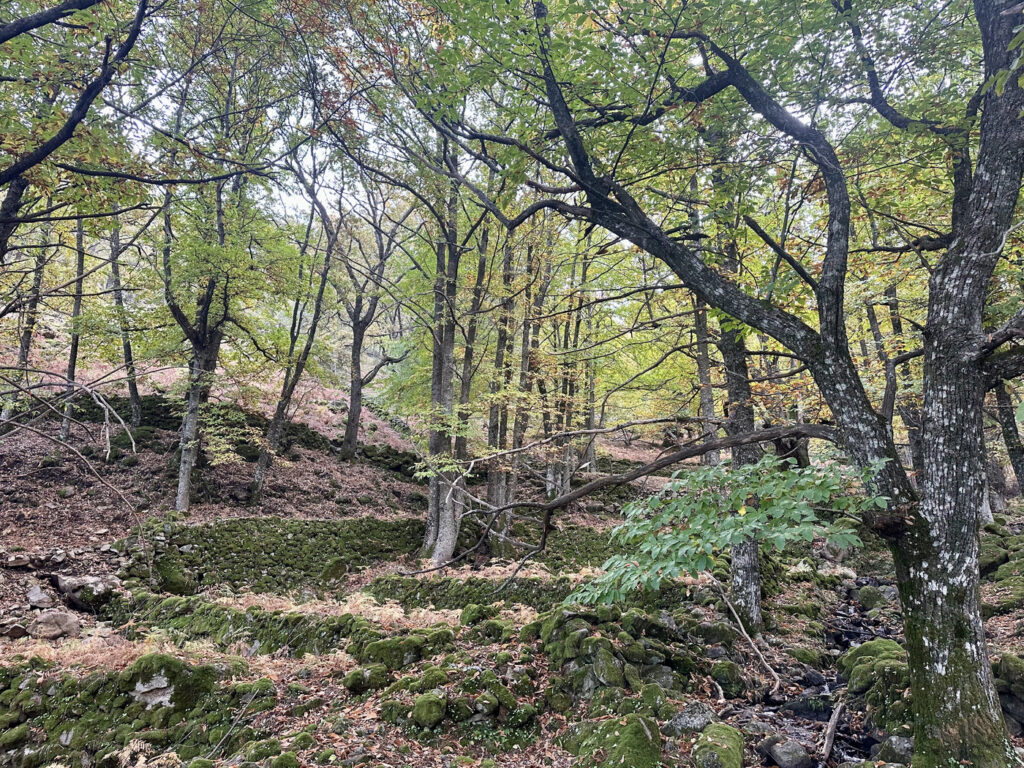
x=511 y=383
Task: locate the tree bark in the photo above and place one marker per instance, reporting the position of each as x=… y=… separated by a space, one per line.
x=201 y=370
x=1011 y=435
x=76 y=311
x=707 y=392
x=134 y=399
x=31 y=314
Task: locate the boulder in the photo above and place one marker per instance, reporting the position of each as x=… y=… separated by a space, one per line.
x=88 y=592
x=719 y=746
x=52 y=624
x=37 y=598
x=632 y=741
x=693 y=718
x=366 y=679
x=785 y=753
x=728 y=675
x=896 y=749
x=428 y=710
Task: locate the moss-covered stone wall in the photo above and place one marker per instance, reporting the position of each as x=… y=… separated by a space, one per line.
x=159 y=700
x=267 y=554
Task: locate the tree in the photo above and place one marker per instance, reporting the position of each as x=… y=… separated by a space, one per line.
x=933 y=533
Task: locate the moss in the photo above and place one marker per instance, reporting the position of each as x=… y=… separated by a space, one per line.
x=261 y=750
x=432 y=677
x=460 y=594
x=808 y=656
x=285 y=760
x=189 y=683
x=14 y=736
x=729 y=676
x=428 y=710
x=878 y=671
x=719 y=746
x=89 y=716
x=265 y=554
x=632 y=740
x=474 y=614
x=367 y=679
x=192 y=618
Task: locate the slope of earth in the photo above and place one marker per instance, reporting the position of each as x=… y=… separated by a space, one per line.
x=297 y=632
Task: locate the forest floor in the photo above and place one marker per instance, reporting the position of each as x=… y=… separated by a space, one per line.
x=292 y=633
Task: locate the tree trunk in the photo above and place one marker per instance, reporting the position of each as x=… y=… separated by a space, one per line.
x=707 y=392
x=134 y=399
x=1011 y=436
x=76 y=311
x=204 y=363
x=744 y=571
x=27 y=332
x=350 y=442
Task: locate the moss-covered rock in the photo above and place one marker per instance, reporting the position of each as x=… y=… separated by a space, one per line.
x=192 y=618
x=460 y=594
x=428 y=710
x=633 y=740
x=285 y=760
x=157 y=700
x=730 y=677
x=719 y=746
x=261 y=750
x=877 y=670
x=366 y=679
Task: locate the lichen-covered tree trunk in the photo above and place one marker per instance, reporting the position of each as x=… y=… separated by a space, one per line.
x=744 y=570
x=204 y=363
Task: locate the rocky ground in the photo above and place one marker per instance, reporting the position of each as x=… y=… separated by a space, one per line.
x=291 y=633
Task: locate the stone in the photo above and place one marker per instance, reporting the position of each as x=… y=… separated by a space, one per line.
x=786 y=753
x=155 y=692
x=1011 y=668
x=52 y=624
x=728 y=675
x=693 y=718
x=608 y=669
x=896 y=749
x=632 y=741
x=366 y=679
x=719 y=746
x=870 y=597
x=428 y=710
x=14 y=630
x=88 y=592
x=17 y=560
x=37 y=598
